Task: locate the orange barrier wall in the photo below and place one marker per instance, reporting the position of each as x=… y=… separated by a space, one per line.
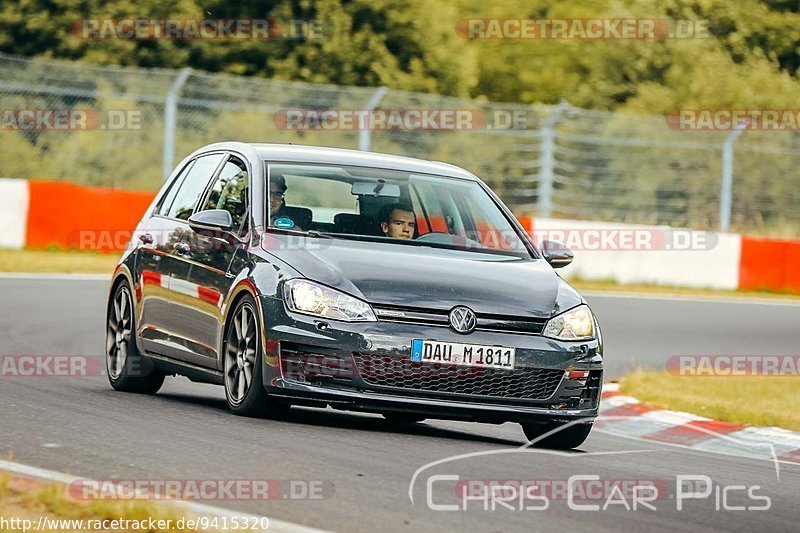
x=73 y=216
x=96 y=218
x=92 y=218
x=769 y=264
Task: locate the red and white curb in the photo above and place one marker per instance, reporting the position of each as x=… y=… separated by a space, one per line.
x=192 y=509
x=626 y=416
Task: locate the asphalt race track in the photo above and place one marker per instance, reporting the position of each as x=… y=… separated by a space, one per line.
x=364 y=464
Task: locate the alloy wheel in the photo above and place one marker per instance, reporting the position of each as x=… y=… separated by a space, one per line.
x=240 y=353
x=118 y=333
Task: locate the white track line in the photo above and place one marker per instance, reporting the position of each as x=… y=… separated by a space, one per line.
x=196 y=509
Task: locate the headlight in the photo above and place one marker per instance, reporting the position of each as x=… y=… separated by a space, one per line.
x=307 y=297
x=577 y=324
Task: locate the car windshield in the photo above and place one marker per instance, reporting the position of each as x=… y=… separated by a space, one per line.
x=392 y=206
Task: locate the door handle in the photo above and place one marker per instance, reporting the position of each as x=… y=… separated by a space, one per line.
x=181 y=248
x=146 y=238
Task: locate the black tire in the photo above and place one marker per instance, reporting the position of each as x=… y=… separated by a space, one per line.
x=127 y=370
x=403 y=418
x=250 y=399
x=567 y=438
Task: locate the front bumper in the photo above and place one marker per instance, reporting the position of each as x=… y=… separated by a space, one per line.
x=321 y=362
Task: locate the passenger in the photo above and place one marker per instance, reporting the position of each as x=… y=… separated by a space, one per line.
x=277 y=191
x=398 y=221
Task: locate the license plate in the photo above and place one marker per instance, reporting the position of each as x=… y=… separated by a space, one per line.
x=456 y=353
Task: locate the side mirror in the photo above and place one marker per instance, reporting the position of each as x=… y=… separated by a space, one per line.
x=556 y=254
x=211 y=220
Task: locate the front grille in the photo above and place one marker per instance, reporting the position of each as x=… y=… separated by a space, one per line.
x=402 y=373
x=485 y=322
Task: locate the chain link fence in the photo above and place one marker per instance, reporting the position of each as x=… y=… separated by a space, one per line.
x=555 y=161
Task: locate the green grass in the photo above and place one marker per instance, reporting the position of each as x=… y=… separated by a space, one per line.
x=30 y=500
x=53 y=261
x=749 y=400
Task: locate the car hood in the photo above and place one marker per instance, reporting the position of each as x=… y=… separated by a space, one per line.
x=426 y=277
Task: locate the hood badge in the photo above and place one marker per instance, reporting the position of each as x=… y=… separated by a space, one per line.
x=463 y=319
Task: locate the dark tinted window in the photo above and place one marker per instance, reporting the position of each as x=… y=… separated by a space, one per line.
x=193 y=186
x=229 y=191
x=402 y=207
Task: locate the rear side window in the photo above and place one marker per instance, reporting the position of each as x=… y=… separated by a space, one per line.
x=166 y=202
x=191 y=188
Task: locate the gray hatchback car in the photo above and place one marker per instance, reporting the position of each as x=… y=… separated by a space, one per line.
x=298 y=275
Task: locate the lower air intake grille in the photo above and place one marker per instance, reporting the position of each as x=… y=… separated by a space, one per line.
x=402 y=373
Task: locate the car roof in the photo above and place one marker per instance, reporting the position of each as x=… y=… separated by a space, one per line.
x=342 y=156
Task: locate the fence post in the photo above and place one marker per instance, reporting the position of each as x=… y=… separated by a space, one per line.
x=365 y=132
x=726 y=192
x=547 y=159
x=170 y=118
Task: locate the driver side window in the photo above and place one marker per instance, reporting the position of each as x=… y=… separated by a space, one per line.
x=230 y=192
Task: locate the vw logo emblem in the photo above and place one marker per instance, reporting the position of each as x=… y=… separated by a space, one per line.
x=462 y=319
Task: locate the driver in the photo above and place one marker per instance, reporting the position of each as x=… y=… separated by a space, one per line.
x=277 y=191
x=398 y=221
